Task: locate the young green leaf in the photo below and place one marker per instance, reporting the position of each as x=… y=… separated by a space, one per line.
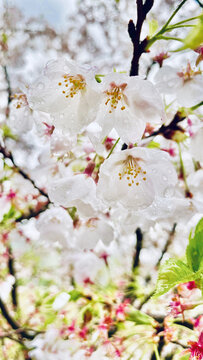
x=171 y=273
x=140 y=318
x=194 y=251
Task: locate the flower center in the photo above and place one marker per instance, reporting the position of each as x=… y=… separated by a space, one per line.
x=71 y=85
x=115 y=95
x=188 y=73
x=132 y=171
x=21 y=100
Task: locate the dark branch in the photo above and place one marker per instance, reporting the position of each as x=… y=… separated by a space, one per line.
x=136 y=259
x=169 y=130
x=8 y=155
x=32 y=213
x=14 y=324
x=135 y=32
x=8 y=89
x=12 y=272
x=168 y=242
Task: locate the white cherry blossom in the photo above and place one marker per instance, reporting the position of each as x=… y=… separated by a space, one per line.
x=134 y=177
x=60 y=301
x=50 y=346
x=196 y=147
x=86 y=266
x=55 y=225
x=21 y=116
x=93 y=231
x=127 y=104
x=77 y=190
x=66 y=91
x=186 y=85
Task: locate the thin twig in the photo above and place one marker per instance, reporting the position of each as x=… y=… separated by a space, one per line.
x=9 y=155
x=168 y=243
x=32 y=213
x=11 y=268
x=13 y=323
x=9 y=98
x=168 y=131
x=136 y=259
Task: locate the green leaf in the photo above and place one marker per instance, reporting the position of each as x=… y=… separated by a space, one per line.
x=171 y=273
x=7 y=132
x=9 y=215
x=184 y=357
x=195 y=37
x=4 y=38
x=140 y=318
x=199 y=226
x=153 y=145
x=153 y=26
x=75 y=295
x=194 y=251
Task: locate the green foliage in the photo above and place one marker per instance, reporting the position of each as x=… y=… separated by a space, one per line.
x=194 y=251
x=7 y=133
x=140 y=318
x=4 y=38
x=153 y=145
x=9 y=216
x=171 y=273
x=153 y=27
x=184 y=357
x=195 y=37
x=75 y=295
x=174 y=271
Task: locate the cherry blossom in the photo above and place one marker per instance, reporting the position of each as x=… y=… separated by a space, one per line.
x=93 y=231
x=186 y=85
x=134 y=177
x=127 y=104
x=77 y=190
x=68 y=92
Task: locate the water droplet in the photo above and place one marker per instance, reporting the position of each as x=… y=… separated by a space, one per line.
x=171 y=83
x=168 y=192
x=40 y=86
x=164 y=178
x=26 y=113
x=154 y=170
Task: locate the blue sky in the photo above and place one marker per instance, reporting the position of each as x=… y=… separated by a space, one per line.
x=54 y=11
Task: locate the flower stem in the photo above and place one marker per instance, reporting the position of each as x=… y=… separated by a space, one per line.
x=113 y=147
x=156 y=353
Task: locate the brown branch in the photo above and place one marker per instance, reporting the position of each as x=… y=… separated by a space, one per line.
x=13 y=323
x=9 y=99
x=32 y=213
x=12 y=272
x=136 y=259
x=168 y=243
x=135 y=32
x=8 y=155
x=169 y=130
